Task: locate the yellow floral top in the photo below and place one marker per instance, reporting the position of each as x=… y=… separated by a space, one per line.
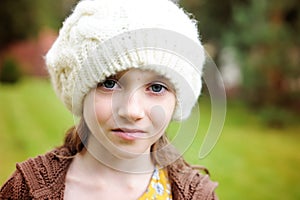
x=159 y=187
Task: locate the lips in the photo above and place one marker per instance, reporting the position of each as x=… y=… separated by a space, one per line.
x=129 y=134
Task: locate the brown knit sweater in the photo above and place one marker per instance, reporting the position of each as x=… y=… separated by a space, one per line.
x=44 y=178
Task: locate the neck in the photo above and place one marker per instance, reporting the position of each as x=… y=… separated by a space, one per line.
x=97 y=157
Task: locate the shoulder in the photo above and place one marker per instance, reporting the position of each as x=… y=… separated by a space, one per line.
x=15 y=188
x=42 y=166
x=40 y=175
x=190 y=184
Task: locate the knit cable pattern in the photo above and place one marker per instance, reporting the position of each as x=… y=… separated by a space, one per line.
x=43 y=177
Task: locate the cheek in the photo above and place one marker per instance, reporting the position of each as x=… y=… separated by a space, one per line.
x=162 y=113
x=97 y=110
x=103 y=109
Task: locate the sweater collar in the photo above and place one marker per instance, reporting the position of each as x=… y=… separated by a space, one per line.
x=45 y=175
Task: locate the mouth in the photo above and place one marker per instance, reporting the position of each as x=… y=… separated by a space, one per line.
x=129 y=134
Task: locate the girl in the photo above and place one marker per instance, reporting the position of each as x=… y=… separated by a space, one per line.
x=125 y=68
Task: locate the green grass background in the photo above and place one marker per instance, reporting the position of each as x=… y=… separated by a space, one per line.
x=250 y=161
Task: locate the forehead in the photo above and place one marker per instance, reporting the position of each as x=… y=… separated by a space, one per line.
x=138 y=73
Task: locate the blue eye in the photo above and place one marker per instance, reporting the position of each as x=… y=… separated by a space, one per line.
x=110 y=84
x=157 y=88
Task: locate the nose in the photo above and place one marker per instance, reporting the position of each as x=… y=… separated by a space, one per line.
x=131 y=107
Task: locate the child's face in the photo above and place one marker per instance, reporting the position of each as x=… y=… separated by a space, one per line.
x=130 y=111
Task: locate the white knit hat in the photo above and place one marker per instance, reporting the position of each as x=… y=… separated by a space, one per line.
x=103 y=37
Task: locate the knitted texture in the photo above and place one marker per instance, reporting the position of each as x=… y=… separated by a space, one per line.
x=44 y=178
x=103 y=37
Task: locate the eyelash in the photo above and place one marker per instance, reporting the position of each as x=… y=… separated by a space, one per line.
x=161 y=92
x=149 y=88
x=102 y=84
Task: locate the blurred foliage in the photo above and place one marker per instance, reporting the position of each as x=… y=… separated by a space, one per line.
x=214 y=18
x=275 y=117
x=17 y=20
x=10 y=71
x=267 y=40
x=24 y=18
x=265 y=35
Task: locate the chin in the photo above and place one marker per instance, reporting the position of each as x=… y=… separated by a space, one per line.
x=127 y=153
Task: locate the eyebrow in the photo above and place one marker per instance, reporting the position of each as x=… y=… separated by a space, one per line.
x=117 y=75
x=159 y=77
x=112 y=77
